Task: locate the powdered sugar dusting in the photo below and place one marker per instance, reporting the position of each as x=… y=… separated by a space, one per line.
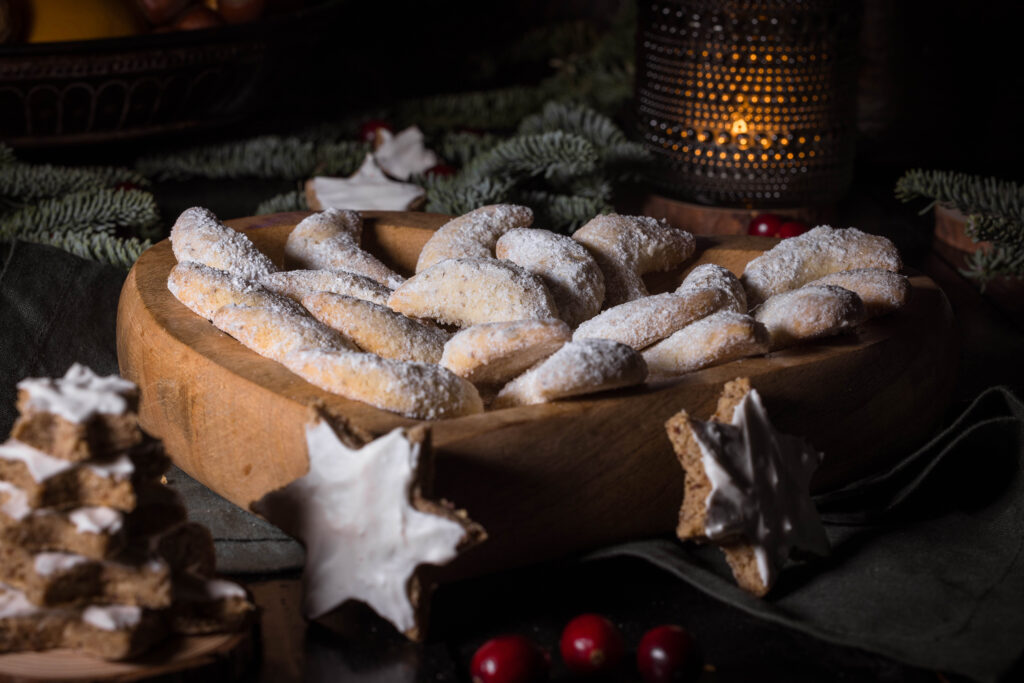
x=473 y=234
x=564 y=266
x=493 y=353
x=470 y=291
x=329 y=240
x=718 y=338
x=199 y=236
x=799 y=260
x=377 y=328
x=809 y=312
x=417 y=390
x=626 y=247
x=714 y=276
x=882 y=291
x=275 y=333
x=205 y=290
x=641 y=322
x=296 y=284
x=579 y=367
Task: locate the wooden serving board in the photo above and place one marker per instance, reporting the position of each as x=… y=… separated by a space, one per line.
x=222 y=657
x=545 y=480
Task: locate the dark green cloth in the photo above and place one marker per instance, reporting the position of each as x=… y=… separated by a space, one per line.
x=927 y=561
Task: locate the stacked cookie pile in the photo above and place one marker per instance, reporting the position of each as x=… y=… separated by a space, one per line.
x=95 y=553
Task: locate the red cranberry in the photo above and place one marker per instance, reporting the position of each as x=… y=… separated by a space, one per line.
x=591 y=644
x=509 y=659
x=441 y=170
x=791 y=229
x=368 y=131
x=765 y=225
x=667 y=653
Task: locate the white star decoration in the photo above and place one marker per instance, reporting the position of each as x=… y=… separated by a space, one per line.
x=363 y=536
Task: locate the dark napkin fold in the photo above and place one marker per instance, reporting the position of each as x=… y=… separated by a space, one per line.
x=927 y=561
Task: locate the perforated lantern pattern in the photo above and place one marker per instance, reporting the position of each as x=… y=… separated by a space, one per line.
x=748 y=103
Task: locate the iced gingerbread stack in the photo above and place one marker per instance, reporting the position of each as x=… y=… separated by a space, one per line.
x=96 y=554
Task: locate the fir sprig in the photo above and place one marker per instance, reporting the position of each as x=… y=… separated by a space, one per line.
x=994 y=261
x=269 y=156
x=459 y=147
x=25 y=183
x=287 y=201
x=91 y=211
x=548 y=155
x=6 y=155
x=449 y=195
x=95 y=246
x=562 y=212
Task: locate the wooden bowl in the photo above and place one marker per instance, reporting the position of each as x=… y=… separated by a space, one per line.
x=544 y=479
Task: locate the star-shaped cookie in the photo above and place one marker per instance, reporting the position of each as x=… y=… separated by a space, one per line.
x=361 y=514
x=747 y=487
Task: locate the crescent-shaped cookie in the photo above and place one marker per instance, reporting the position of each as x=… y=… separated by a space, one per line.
x=470 y=291
x=418 y=390
x=296 y=284
x=797 y=261
x=329 y=240
x=626 y=247
x=493 y=353
x=564 y=266
x=275 y=333
x=808 y=313
x=473 y=234
x=718 y=338
x=199 y=236
x=579 y=367
x=714 y=276
x=376 y=328
x=882 y=291
x=642 y=322
x=205 y=290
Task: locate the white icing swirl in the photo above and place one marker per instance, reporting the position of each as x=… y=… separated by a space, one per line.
x=79 y=395
x=47 y=564
x=40 y=465
x=96 y=520
x=112 y=617
x=118 y=469
x=13 y=603
x=759 y=486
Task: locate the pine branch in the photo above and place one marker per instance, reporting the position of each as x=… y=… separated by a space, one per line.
x=26 y=183
x=449 y=195
x=6 y=155
x=288 y=201
x=116 y=251
x=997 y=261
x=571 y=117
x=91 y=211
x=562 y=213
x=969 y=193
x=269 y=156
x=554 y=154
x=986 y=228
x=492 y=109
x=460 y=147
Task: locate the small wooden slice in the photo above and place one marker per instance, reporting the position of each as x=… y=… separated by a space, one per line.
x=222 y=657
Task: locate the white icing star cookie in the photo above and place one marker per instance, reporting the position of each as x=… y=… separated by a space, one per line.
x=366 y=527
x=747 y=487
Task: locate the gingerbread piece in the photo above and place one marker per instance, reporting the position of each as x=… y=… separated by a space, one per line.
x=92 y=531
x=352 y=487
x=747 y=487
x=329 y=240
x=200 y=237
x=626 y=247
x=644 y=321
x=77 y=415
x=580 y=367
x=376 y=328
x=296 y=284
x=564 y=266
x=471 y=291
x=882 y=291
x=719 y=338
x=473 y=235
x=491 y=354
x=810 y=312
x=713 y=276
x=797 y=261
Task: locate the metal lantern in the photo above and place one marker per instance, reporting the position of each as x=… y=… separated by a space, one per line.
x=748 y=103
